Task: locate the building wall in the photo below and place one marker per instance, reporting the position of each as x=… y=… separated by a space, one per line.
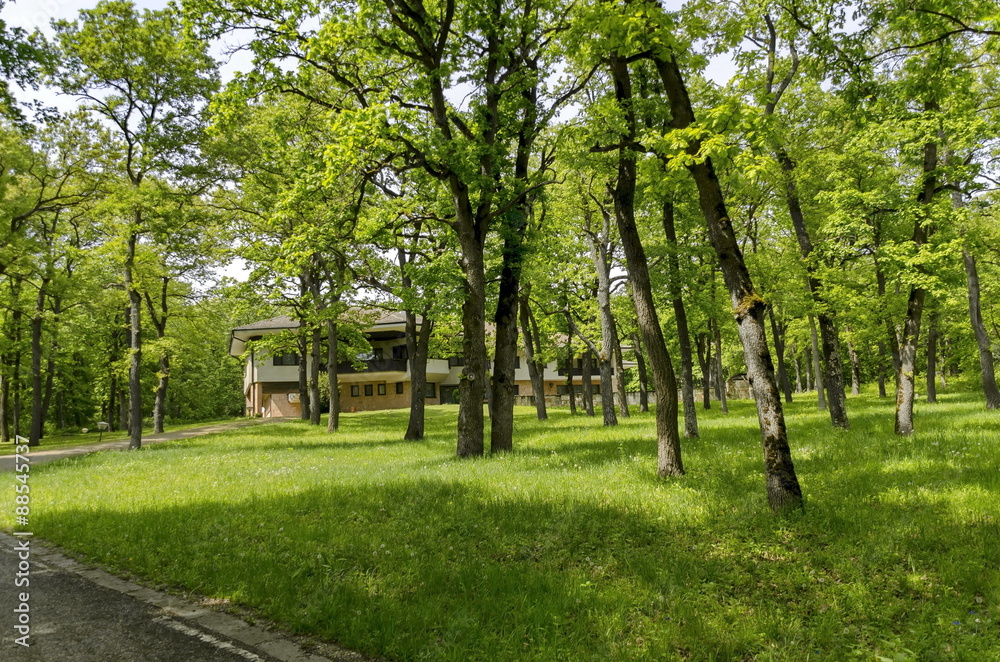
x=281 y=404
x=375 y=402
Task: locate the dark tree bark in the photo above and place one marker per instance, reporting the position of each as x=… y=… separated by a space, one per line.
x=640 y=367
x=50 y=368
x=778 y=330
x=703 y=343
x=37 y=421
x=532 y=350
x=332 y=375
x=123 y=418
x=990 y=389
x=418 y=342
x=817 y=372
x=680 y=317
x=315 y=357
x=472 y=387
x=4 y=408
x=569 y=374
x=604 y=369
x=586 y=383
x=505 y=351
x=932 y=341
x=720 y=379
x=668 y=439
x=881 y=369
x=782 y=485
x=135 y=345
x=303 y=346
x=906 y=375
x=833 y=373
x=159 y=319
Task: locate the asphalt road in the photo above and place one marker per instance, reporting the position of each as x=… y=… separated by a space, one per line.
x=73 y=619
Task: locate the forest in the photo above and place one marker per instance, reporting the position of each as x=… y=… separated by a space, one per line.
x=796 y=191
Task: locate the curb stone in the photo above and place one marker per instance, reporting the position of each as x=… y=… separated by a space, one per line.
x=181 y=614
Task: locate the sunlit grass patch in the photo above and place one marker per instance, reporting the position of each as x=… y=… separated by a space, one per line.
x=570 y=547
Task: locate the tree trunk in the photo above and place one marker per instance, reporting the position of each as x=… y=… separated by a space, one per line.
x=569 y=374
x=587 y=384
x=621 y=392
x=417 y=347
x=135 y=346
x=932 y=341
x=818 y=374
x=680 y=317
x=990 y=389
x=505 y=350
x=123 y=418
x=640 y=366
x=703 y=343
x=159 y=319
x=50 y=368
x=535 y=372
x=316 y=354
x=4 y=406
x=855 y=369
x=669 y=461
x=472 y=387
x=881 y=369
x=37 y=422
x=906 y=375
x=833 y=376
x=798 y=371
x=600 y=256
x=779 y=351
x=807 y=364
x=332 y=375
x=782 y=485
x=604 y=368
x=720 y=379
x=303 y=372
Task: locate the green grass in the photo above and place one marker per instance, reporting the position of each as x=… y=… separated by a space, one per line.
x=77 y=439
x=570 y=548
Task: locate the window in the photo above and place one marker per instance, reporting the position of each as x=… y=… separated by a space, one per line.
x=286 y=359
x=368 y=389
x=381 y=389
x=355 y=391
x=455 y=361
x=399 y=388
x=430 y=391
x=400 y=352
x=517 y=362
x=517 y=390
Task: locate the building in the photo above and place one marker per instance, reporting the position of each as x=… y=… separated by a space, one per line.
x=271 y=382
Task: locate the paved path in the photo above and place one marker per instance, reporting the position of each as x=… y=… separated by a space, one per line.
x=40 y=455
x=80 y=613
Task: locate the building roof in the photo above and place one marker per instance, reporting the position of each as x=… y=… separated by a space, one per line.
x=381 y=321
x=279 y=322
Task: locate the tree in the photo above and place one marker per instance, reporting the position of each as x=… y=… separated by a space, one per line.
x=149 y=81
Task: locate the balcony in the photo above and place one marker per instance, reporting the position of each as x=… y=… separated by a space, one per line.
x=564 y=371
x=374 y=365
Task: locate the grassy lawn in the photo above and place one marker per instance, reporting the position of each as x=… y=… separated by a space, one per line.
x=570 y=548
x=74 y=439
